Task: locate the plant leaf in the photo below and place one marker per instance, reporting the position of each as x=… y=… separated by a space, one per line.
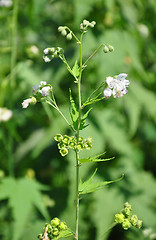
x=89 y=187
x=95 y=159
x=83 y=120
x=23 y=194
x=74 y=114
x=66 y=233
x=75 y=69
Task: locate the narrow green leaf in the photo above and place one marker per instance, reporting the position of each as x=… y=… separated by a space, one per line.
x=89 y=186
x=74 y=114
x=96 y=159
x=83 y=120
x=75 y=69
x=93 y=100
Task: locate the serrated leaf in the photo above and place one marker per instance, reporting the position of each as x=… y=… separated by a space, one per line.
x=64 y=234
x=89 y=187
x=74 y=114
x=75 y=69
x=83 y=120
x=95 y=159
x=23 y=194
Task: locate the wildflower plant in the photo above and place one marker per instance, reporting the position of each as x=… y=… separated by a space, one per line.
x=116 y=86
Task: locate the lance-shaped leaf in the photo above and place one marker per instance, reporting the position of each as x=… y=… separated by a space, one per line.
x=75 y=69
x=95 y=159
x=74 y=114
x=89 y=186
x=23 y=195
x=83 y=120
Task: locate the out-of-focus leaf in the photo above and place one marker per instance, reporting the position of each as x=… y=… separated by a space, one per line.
x=23 y=194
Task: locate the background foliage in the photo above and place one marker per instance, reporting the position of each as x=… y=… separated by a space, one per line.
x=124 y=128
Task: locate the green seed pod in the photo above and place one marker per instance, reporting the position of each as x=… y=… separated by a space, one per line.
x=64 y=32
x=80 y=139
x=106 y=49
x=58 y=137
x=119 y=218
x=87 y=145
x=111 y=48
x=55 y=232
x=79 y=146
x=138 y=224
x=55 y=222
x=134 y=220
x=63 y=151
x=126 y=224
x=72 y=144
x=69 y=36
x=62 y=226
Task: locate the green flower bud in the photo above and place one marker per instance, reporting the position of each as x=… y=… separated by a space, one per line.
x=127 y=205
x=119 y=218
x=60 y=28
x=63 y=151
x=87 y=145
x=61 y=145
x=62 y=226
x=55 y=222
x=72 y=144
x=79 y=146
x=55 y=232
x=56 y=54
x=69 y=36
x=60 y=50
x=127 y=212
x=111 y=48
x=64 y=32
x=126 y=224
x=34 y=100
x=134 y=220
x=66 y=139
x=58 y=137
x=40 y=236
x=138 y=224
x=106 y=49
x=80 y=139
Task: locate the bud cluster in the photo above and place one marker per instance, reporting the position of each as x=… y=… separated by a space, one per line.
x=85 y=24
x=65 y=32
x=52 y=230
x=51 y=53
x=108 y=48
x=126 y=219
x=65 y=142
x=39 y=93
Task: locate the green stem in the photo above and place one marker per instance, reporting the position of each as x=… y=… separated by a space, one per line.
x=92 y=55
x=77 y=135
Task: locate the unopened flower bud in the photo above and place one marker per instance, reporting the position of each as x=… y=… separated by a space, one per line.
x=119 y=218
x=127 y=205
x=111 y=48
x=69 y=36
x=55 y=232
x=126 y=224
x=134 y=220
x=55 y=222
x=138 y=224
x=106 y=49
x=60 y=29
x=64 y=32
x=60 y=50
x=62 y=226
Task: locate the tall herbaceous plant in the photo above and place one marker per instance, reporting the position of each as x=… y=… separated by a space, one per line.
x=116 y=86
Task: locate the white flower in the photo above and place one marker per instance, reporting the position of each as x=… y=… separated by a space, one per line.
x=46 y=59
x=45 y=91
x=5 y=114
x=46 y=51
x=26 y=102
x=43 y=83
x=117 y=86
x=5 y=3
x=107 y=92
x=35 y=88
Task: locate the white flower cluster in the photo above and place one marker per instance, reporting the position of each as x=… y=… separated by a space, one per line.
x=117 y=86
x=5 y=3
x=41 y=89
x=5 y=114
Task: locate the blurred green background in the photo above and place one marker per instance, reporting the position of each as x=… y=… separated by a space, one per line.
x=124 y=128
